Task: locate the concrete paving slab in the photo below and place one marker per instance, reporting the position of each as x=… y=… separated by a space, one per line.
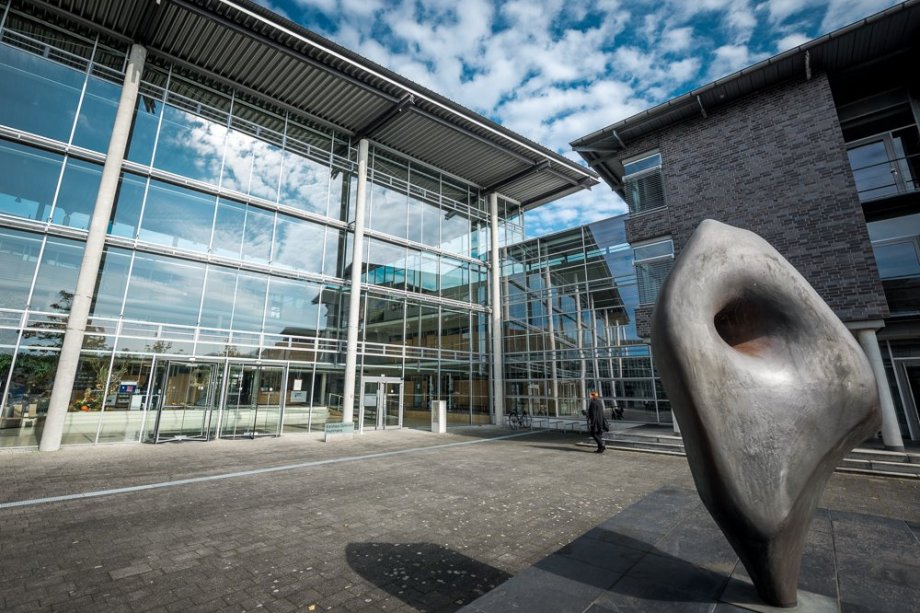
x=290 y=523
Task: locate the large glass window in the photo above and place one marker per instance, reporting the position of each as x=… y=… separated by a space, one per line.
x=653 y=262
x=164 y=290
x=146 y=122
x=385 y=264
x=258 y=234
x=643 y=188
x=18 y=257
x=886 y=164
x=219 y=293
x=251 y=164
x=304 y=182
x=38 y=94
x=387 y=212
x=896 y=243
x=383 y=320
x=298 y=244
x=77 y=196
x=249 y=306
x=113 y=277
x=129 y=203
x=177 y=217
x=189 y=144
x=28 y=180
x=97 y=114
x=293 y=307
x=57 y=275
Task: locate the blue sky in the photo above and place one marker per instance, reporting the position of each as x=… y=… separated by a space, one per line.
x=556 y=70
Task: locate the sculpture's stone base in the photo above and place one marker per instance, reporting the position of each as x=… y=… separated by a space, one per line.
x=665 y=553
x=740 y=592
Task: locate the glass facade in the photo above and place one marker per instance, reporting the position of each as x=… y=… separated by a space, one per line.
x=570 y=303
x=221 y=303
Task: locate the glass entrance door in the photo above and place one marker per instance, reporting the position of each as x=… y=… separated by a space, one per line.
x=185 y=402
x=381 y=403
x=253 y=401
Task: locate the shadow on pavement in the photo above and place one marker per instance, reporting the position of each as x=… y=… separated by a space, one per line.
x=424 y=575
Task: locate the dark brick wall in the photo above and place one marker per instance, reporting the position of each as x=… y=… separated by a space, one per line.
x=774 y=163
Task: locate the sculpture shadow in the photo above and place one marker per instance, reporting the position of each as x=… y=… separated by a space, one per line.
x=635 y=574
x=424 y=575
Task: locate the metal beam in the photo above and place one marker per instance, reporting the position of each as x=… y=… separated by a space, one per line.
x=407 y=101
x=516 y=177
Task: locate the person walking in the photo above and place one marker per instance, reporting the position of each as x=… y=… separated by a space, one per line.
x=597 y=423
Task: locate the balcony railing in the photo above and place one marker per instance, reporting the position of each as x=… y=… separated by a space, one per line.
x=879 y=176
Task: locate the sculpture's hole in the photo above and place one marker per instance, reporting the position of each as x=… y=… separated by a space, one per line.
x=751 y=324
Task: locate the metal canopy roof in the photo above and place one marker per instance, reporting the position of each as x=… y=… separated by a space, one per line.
x=248 y=46
x=886 y=32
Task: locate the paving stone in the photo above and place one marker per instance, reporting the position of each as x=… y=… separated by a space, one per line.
x=296 y=537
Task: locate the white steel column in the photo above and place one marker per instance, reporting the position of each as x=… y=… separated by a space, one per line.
x=551 y=328
x=92 y=255
x=498 y=371
x=891 y=432
x=354 y=301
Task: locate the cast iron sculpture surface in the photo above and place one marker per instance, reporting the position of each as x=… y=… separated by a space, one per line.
x=770 y=391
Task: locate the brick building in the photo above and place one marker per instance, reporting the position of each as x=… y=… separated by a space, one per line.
x=817 y=150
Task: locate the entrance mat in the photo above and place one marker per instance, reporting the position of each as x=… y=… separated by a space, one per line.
x=665 y=553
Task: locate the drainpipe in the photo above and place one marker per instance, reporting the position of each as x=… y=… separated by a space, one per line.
x=69 y=359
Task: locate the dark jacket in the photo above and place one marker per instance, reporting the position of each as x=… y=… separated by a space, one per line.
x=596 y=421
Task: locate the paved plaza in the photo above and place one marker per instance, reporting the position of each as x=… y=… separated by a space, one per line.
x=393 y=521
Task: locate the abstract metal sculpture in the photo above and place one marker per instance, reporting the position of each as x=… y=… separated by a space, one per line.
x=770 y=391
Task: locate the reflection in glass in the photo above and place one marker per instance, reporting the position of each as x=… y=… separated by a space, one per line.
x=383 y=320
x=146 y=122
x=293 y=307
x=217 y=306
x=387 y=211
x=250 y=302
x=38 y=95
x=97 y=115
x=304 y=183
x=129 y=202
x=385 y=264
x=77 y=196
x=229 y=228
x=177 y=217
x=26 y=402
x=57 y=275
x=257 y=235
x=190 y=145
x=113 y=278
x=166 y=290
x=18 y=258
x=28 y=180
x=298 y=244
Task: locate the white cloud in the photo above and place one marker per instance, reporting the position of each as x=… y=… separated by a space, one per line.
x=844 y=12
x=781 y=10
x=791 y=41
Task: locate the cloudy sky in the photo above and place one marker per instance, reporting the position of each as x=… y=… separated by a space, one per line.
x=556 y=70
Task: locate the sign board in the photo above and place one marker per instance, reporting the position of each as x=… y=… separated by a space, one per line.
x=370 y=400
x=298 y=396
x=127 y=387
x=338 y=430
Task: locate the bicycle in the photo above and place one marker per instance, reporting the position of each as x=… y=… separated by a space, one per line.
x=519 y=419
